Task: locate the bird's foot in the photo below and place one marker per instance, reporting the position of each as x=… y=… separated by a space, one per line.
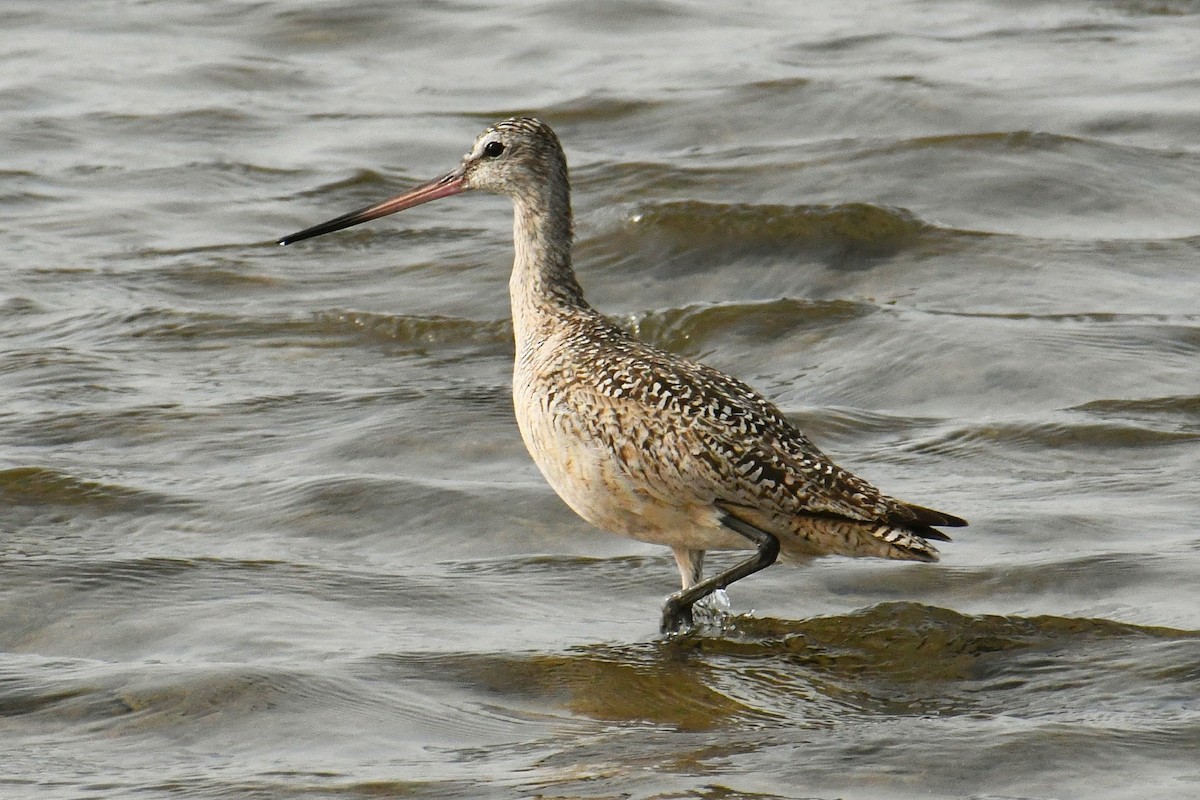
x=676 y=616
x=711 y=613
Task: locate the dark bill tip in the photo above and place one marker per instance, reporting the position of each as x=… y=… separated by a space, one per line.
x=453 y=183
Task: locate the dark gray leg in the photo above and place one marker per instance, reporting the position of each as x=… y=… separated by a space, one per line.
x=677 y=612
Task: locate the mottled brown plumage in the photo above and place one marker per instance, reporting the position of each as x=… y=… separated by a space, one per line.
x=640 y=441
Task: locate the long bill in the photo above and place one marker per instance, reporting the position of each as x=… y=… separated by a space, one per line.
x=451 y=183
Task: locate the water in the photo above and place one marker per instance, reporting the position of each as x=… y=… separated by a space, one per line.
x=268 y=526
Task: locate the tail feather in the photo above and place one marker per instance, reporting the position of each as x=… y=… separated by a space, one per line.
x=820 y=535
x=903 y=536
x=926 y=531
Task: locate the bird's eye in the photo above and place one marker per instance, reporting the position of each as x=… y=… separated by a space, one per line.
x=493 y=149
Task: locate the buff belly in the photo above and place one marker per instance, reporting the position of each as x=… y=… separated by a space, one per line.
x=613 y=492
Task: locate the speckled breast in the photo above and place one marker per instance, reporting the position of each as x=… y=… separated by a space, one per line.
x=588 y=452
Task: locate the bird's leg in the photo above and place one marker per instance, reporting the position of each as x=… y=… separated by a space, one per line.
x=691 y=570
x=677 y=612
x=691 y=565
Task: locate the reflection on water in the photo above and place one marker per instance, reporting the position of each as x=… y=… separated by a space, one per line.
x=269 y=528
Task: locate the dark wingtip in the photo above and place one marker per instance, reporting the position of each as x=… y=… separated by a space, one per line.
x=924 y=522
x=926 y=532
x=928 y=516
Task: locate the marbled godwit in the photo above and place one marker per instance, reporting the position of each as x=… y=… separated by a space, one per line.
x=642 y=442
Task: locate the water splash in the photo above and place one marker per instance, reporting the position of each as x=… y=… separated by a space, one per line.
x=714 y=614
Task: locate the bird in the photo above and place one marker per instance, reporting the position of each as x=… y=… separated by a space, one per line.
x=642 y=442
